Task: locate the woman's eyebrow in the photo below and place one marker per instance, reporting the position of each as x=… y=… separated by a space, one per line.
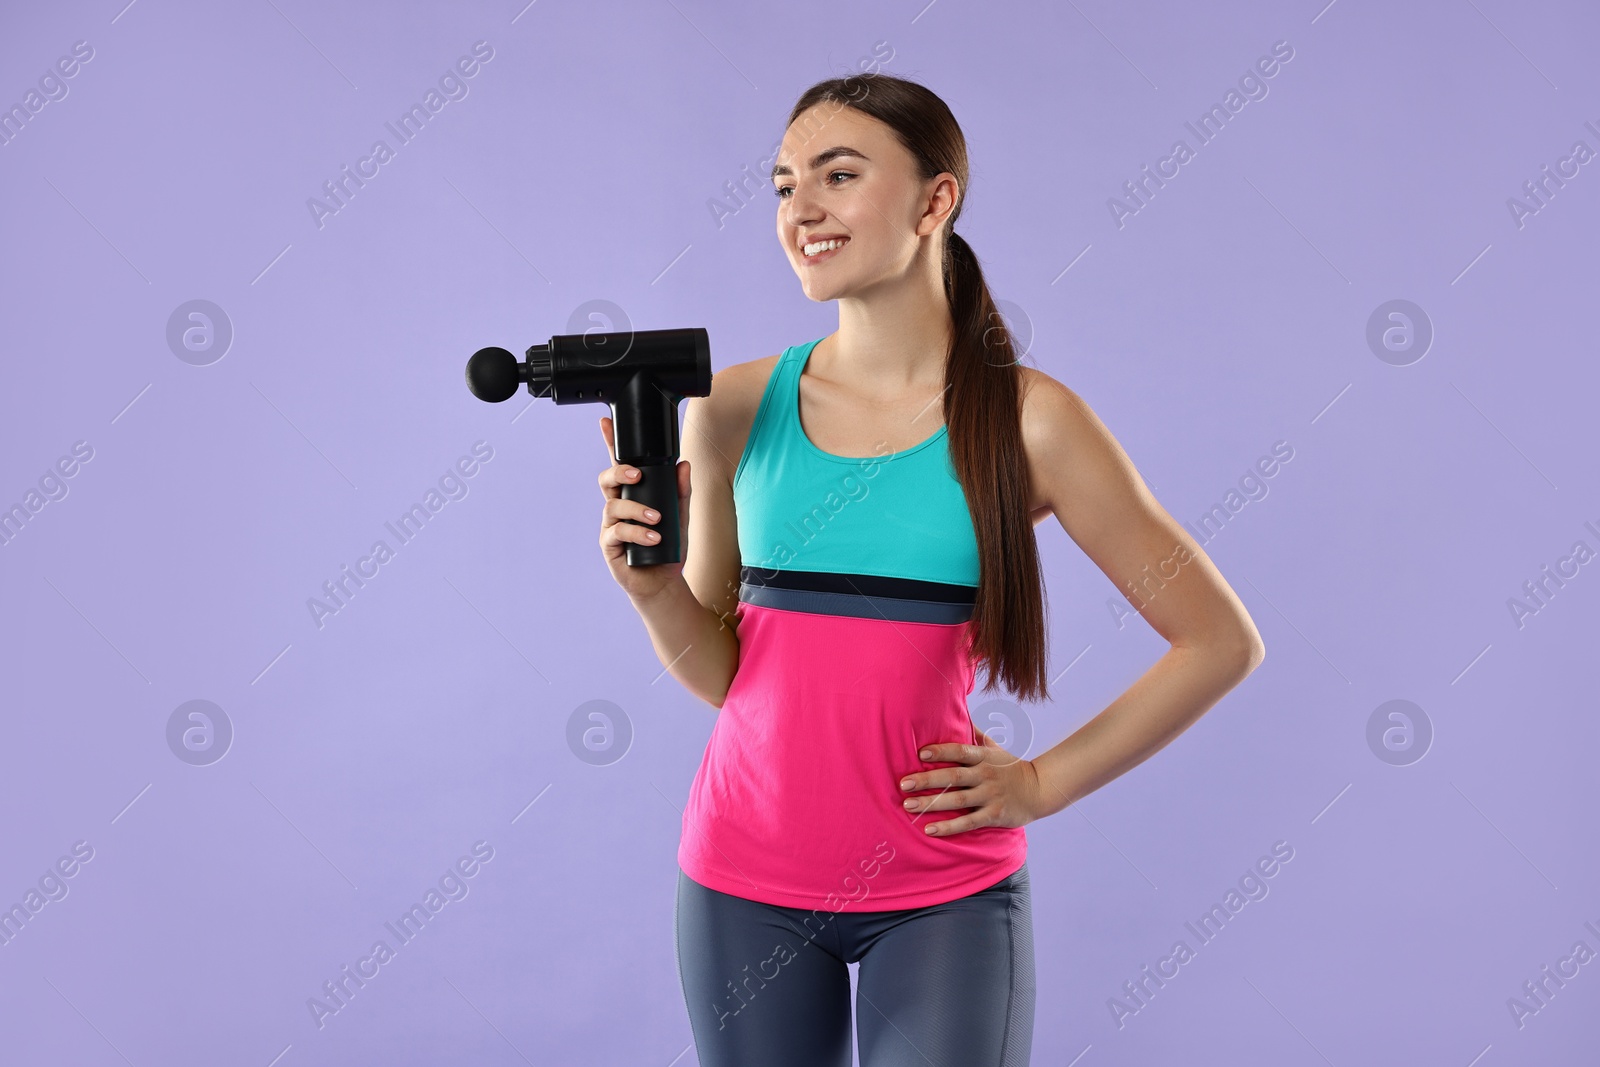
x=822 y=157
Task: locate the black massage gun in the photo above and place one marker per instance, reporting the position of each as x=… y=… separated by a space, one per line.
x=641 y=374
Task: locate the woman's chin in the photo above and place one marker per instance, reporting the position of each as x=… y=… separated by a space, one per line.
x=820 y=291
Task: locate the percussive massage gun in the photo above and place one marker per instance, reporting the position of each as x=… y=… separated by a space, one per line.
x=641 y=374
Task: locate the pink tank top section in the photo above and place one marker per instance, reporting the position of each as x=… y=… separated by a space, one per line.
x=847 y=667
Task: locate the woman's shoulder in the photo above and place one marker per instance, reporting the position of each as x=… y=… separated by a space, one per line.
x=1073 y=457
x=751 y=374
x=736 y=389
x=1054 y=412
x=1056 y=421
x=1050 y=409
x=725 y=415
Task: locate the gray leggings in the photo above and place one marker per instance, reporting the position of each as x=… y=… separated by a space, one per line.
x=948 y=984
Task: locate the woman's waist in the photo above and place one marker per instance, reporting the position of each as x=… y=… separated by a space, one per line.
x=868 y=736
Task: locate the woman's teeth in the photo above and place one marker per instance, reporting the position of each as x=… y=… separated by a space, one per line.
x=823 y=246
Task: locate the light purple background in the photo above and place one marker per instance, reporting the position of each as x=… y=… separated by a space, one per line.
x=433 y=711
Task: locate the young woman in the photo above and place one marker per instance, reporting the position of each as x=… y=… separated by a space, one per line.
x=862 y=540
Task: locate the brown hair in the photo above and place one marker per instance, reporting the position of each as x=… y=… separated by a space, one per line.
x=983 y=398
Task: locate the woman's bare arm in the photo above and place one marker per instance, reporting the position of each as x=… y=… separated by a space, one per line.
x=1100 y=500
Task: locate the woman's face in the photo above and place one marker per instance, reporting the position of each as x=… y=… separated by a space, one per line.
x=843 y=174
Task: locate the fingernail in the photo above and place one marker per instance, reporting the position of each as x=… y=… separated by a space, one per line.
x=651 y=514
x=926 y=753
x=654 y=536
x=910 y=804
x=906 y=784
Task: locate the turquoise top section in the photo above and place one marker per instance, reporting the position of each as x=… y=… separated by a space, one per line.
x=894 y=514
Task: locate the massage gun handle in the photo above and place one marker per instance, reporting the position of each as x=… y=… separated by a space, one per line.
x=656 y=488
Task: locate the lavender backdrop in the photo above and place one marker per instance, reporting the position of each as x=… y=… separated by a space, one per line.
x=222 y=383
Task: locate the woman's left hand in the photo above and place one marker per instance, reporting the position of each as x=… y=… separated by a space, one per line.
x=1001 y=789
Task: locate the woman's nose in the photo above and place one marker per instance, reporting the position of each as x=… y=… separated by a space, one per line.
x=802 y=207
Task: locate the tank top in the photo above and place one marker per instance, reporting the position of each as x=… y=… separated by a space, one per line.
x=858 y=577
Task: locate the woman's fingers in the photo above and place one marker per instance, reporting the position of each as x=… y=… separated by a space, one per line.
x=951 y=798
x=613 y=478
x=617 y=509
x=619 y=532
x=613 y=530
x=943 y=778
x=615 y=526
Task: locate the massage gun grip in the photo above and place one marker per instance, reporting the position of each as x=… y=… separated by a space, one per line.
x=656 y=488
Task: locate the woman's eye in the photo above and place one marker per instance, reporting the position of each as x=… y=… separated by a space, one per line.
x=778 y=192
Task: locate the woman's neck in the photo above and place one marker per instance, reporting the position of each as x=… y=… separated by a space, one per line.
x=889 y=343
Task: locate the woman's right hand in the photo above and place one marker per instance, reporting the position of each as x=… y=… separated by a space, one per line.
x=615 y=534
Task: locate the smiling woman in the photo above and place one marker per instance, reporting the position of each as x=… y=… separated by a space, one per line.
x=859 y=642
x=841 y=643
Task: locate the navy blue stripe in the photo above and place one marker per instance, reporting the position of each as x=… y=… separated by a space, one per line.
x=873 y=585
x=861 y=596
x=859 y=607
